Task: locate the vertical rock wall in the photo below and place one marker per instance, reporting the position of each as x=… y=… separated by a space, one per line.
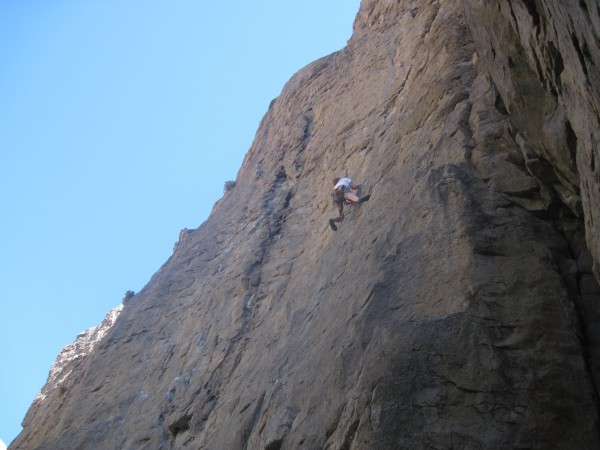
x=445 y=313
x=543 y=58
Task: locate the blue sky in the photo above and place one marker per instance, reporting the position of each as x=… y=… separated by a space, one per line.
x=120 y=121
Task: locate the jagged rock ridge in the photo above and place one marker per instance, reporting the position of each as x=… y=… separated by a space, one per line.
x=68 y=368
x=458 y=308
x=66 y=361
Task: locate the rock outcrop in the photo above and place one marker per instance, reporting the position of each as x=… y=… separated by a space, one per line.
x=458 y=308
x=65 y=373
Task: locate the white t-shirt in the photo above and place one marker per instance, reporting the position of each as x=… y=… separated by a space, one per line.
x=343 y=182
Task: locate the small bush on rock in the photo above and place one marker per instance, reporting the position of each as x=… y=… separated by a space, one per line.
x=229 y=185
x=128 y=296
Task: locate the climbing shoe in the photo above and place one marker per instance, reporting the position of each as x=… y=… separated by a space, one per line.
x=364 y=199
x=332 y=225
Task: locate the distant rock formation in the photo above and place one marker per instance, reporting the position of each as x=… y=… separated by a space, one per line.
x=66 y=372
x=67 y=360
x=458 y=308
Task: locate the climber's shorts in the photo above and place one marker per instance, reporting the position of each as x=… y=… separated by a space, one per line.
x=339 y=199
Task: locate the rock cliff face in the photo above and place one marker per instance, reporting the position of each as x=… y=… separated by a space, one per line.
x=67 y=371
x=458 y=308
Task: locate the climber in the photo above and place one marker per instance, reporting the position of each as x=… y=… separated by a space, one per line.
x=342 y=194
